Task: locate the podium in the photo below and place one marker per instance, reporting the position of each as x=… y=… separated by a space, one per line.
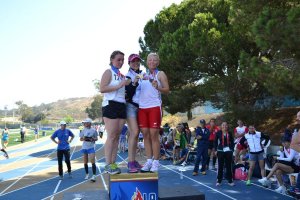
x=135 y=186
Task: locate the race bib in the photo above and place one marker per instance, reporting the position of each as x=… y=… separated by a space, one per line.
x=226 y=149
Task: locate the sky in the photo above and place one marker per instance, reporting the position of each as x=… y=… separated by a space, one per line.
x=54 y=49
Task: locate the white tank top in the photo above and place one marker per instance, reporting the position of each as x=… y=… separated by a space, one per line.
x=149 y=96
x=117 y=95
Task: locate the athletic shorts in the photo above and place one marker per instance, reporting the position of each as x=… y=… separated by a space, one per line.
x=114 y=110
x=256 y=157
x=149 y=117
x=131 y=110
x=210 y=144
x=240 y=147
x=88 y=151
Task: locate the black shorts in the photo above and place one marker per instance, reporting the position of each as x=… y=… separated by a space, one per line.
x=210 y=144
x=291 y=164
x=114 y=110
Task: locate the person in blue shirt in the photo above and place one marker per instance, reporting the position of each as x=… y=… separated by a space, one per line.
x=64 y=138
x=202 y=136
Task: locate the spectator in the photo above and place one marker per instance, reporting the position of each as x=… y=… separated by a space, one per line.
x=239 y=132
x=295 y=144
x=88 y=136
x=149 y=114
x=101 y=130
x=23 y=132
x=63 y=147
x=224 y=145
x=202 y=136
x=3 y=150
x=179 y=141
x=288 y=162
x=254 y=139
x=5 y=138
x=213 y=129
x=36 y=133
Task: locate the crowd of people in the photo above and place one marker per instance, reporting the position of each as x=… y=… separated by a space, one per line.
x=244 y=147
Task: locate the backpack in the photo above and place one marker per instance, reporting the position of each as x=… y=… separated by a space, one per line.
x=240 y=172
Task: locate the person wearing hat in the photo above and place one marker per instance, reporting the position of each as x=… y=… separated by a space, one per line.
x=64 y=138
x=88 y=136
x=287 y=162
x=202 y=136
x=132 y=106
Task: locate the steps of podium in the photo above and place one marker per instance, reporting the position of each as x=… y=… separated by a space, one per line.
x=179 y=192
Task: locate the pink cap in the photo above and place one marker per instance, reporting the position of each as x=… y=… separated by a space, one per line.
x=132 y=57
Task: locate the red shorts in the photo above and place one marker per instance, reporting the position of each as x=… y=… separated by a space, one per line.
x=149 y=117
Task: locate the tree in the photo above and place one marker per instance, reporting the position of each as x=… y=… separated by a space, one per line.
x=68 y=119
x=95 y=111
x=223 y=48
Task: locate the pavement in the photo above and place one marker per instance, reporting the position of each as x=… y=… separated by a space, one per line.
x=31 y=173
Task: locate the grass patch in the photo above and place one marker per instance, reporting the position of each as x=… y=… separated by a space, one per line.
x=15 y=136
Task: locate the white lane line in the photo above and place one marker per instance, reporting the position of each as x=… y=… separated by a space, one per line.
x=200 y=183
x=101 y=175
x=56 y=189
x=43 y=180
x=24 y=175
x=261 y=187
x=69 y=187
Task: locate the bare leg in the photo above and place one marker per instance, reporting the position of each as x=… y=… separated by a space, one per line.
x=262 y=168
x=113 y=132
x=133 y=138
x=251 y=168
x=273 y=170
x=119 y=126
x=147 y=142
x=154 y=135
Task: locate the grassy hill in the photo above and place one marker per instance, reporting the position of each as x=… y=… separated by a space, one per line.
x=74 y=107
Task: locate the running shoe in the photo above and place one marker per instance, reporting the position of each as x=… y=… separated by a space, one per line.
x=281 y=190
x=137 y=165
x=155 y=166
x=265 y=182
x=195 y=174
x=231 y=184
x=116 y=167
x=203 y=173
x=147 y=166
x=93 y=179
x=248 y=183
x=86 y=177
x=61 y=177
x=132 y=167
x=218 y=184
x=70 y=174
x=6 y=156
x=110 y=169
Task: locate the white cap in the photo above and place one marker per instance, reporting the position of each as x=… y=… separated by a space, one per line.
x=62 y=123
x=87 y=120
